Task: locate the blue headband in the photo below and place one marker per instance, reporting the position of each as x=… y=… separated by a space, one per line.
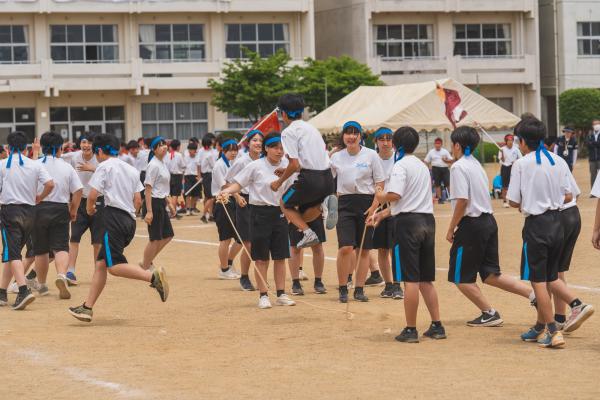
x=14 y=150
x=467 y=151
x=399 y=154
x=352 y=124
x=228 y=143
x=272 y=140
x=108 y=149
x=294 y=113
x=225 y=160
x=542 y=149
x=254 y=132
x=153 y=144
x=382 y=131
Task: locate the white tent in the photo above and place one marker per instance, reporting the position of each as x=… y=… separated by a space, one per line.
x=416 y=105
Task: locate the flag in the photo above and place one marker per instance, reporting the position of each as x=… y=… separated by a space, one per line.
x=267 y=124
x=451 y=99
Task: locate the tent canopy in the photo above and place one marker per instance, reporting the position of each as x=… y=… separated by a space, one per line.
x=416 y=105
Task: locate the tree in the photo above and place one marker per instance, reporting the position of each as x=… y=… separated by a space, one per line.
x=342 y=75
x=578 y=107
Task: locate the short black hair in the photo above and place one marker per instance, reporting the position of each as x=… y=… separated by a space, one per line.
x=51 y=142
x=192 y=146
x=292 y=104
x=132 y=144
x=550 y=140
x=532 y=131
x=465 y=136
x=17 y=140
x=271 y=135
x=207 y=141
x=174 y=144
x=104 y=141
x=148 y=141
x=407 y=138
x=210 y=135
x=194 y=139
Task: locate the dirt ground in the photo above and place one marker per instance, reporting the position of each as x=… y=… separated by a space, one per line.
x=210 y=341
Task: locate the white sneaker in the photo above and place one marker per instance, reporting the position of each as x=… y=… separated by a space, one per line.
x=505 y=205
x=309 y=239
x=227 y=275
x=235 y=271
x=302 y=275
x=33 y=284
x=61 y=284
x=13 y=288
x=578 y=316
x=284 y=300
x=264 y=302
x=332 y=211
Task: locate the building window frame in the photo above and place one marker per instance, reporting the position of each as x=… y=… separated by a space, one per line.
x=400 y=39
x=256 y=37
x=507 y=103
x=66 y=51
x=175 y=120
x=111 y=121
x=21 y=119
x=13 y=49
x=477 y=40
x=588 y=38
x=148 y=46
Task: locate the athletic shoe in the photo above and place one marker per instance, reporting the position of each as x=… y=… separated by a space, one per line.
x=578 y=316
x=550 y=340
x=560 y=325
x=3 y=299
x=505 y=205
x=43 y=290
x=359 y=295
x=350 y=284
x=246 y=284
x=188 y=213
x=82 y=313
x=195 y=211
x=320 y=288
x=211 y=218
x=13 y=288
x=264 y=302
x=284 y=300
x=408 y=336
x=309 y=239
x=32 y=284
x=435 y=332
x=388 y=291
x=204 y=219
x=398 y=293
x=228 y=275
x=440 y=201
x=160 y=283
x=302 y=275
x=332 y=212
x=343 y=295
x=23 y=300
x=71 y=279
x=486 y=319
x=297 y=289
x=61 y=284
x=533 y=303
x=532 y=335
x=374 y=281
x=235 y=271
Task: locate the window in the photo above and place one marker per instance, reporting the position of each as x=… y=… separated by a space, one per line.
x=17 y=119
x=175 y=120
x=13 y=44
x=107 y=119
x=84 y=43
x=238 y=123
x=403 y=41
x=180 y=42
x=588 y=38
x=264 y=39
x=504 y=102
x=482 y=40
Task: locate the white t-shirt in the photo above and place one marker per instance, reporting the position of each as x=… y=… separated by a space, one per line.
x=303 y=142
x=436 y=157
x=66 y=180
x=240 y=163
x=19 y=183
x=509 y=156
x=208 y=158
x=387 y=165
x=175 y=163
x=539 y=187
x=218 y=175
x=257 y=176
x=141 y=161
x=76 y=159
x=357 y=174
x=118 y=182
x=191 y=165
x=469 y=181
x=411 y=180
x=574 y=189
x=128 y=158
x=158 y=176
x=596 y=188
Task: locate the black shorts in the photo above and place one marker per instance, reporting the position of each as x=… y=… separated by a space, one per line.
x=269 y=239
x=120 y=230
x=51 y=229
x=224 y=227
x=189 y=181
x=474 y=250
x=242 y=219
x=316 y=225
x=29 y=253
x=84 y=222
x=505 y=175
x=571 y=223
x=309 y=189
x=17 y=223
x=176 y=185
x=542 y=245
x=383 y=235
x=206 y=185
x=161 y=227
x=352 y=219
x=441 y=175
x=413 y=255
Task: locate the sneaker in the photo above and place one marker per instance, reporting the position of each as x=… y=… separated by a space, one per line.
x=246 y=284
x=505 y=205
x=234 y=271
x=228 y=275
x=435 y=332
x=320 y=288
x=486 y=319
x=61 y=284
x=578 y=316
x=309 y=239
x=195 y=211
x=43 y=290
x=560 y=325
x=204 y=219
x=398 y=293
x=332 y=211
x=71 y=279
x=13 y=288
x=360 y=295
x=374 y=281
x=408 y=336
x=297 y=289
x=3 y=299
x=532 y=335
x=211 y=218
x=302 y=275
x=388 y=291
x=553 y=340
x=81 y=313
x=343 y=295
x=23 y=300
x=284 y=300
x=264 y=302
x=350 y=284
x=160 y=283
x=188 y=213
x=32 y=284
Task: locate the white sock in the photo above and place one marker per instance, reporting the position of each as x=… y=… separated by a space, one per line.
x=71 y=269
x=491 y=311
x=532 y=296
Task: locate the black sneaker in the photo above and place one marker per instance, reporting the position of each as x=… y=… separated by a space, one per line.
x=398 y=294
x=343 y=294
x=374 y=280
x=211 y=218
x=160 y=283
x=486 y=319
x=360 y=295
x=408 y=336
x=203 y=219
x=297 y=289
x=388 y=291
x=320 y=288
x=246 y=285
x=23 y=300
x=435 y=332
x=3 y=299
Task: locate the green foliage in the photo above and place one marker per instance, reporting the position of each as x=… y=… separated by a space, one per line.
x=578 y=107
x=489 y=151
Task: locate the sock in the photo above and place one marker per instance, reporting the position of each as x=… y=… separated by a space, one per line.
x=296 y=281
x=86 y=307
x=280 y=292
x=532 y=296
x=3 y=291
x=491 y=311
x=375 y=274
x=152 y=279
x=358 y=289
x=244 y=276
x=575 y=303
x=23 y=289
x=560 y=318
x=71 y=269
x=437 y=324
x=263 y=294
x=300 y=268
x=229 y=263
x=344 y=288
x=317 y=280
x=350 y=278
x=225 y=269
x=539 y=326
x=31 y=275
x=411 y=328
x=552 y=327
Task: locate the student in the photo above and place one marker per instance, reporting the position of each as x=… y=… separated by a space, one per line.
x=19 y=180
x=121 y=187
x=566 y=147
x=53 y=214
x=207 y=161
x=413 y=255
x=473 y=231
x=304 y=147
x=229 y=150
x=268 y=225
x=176 y=166
x=596 y=232
x=191 y=176
x=507 y=155
x=141 y=160
x=154 y=210
x=438 y=160
x=132 y=149
x=243 y=211
x=539 y=185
